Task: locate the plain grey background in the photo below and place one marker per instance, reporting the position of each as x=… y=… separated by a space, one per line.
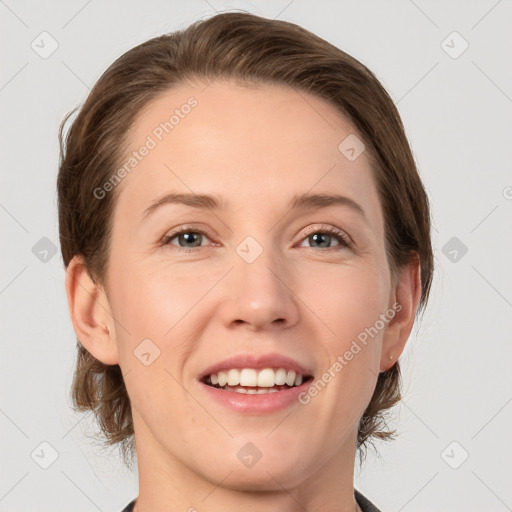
x=448 y=66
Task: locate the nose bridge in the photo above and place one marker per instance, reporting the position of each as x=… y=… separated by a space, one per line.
x=261 y=291
x=258 y=268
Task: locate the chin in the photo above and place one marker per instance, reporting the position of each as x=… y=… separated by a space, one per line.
x=260 y=465
x=261 y=477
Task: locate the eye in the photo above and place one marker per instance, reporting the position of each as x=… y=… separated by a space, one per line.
x=187 y=237
x=324 y=235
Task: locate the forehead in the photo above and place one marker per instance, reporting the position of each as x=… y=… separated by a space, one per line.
x=252 y=114
x=242 y=142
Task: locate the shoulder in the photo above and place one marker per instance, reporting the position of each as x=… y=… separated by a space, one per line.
x=365 y=504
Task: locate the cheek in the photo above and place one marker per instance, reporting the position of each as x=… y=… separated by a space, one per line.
x=348 y=300
x=153 y=297
x=349 y=305
x=155 y=305
x=353 y=302
x=160 y=302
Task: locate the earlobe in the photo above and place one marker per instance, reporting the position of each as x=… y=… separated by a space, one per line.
x=90 y=313
x=405 y=303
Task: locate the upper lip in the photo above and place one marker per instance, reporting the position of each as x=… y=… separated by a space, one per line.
x=258 y=362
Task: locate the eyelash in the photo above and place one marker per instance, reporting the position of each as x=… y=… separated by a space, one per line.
x=344 y=240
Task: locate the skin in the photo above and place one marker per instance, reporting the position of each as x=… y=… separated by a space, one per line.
x=255 y=147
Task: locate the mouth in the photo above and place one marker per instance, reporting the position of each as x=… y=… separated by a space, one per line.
x=252 y=381
x=255 y=383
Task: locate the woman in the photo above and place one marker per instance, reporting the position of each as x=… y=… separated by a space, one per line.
x=242 y=363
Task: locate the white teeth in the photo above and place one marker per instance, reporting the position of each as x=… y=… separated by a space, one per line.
x=280 y=378
x=251 y=378
x=223 y=378
x=250 y=391
x=290 y=378
x=266 y=378
x=248 y=377
x=233 y=377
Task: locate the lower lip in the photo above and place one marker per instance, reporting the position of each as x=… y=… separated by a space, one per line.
x=259 y=404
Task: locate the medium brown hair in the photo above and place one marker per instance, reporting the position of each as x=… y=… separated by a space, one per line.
x=247 y=49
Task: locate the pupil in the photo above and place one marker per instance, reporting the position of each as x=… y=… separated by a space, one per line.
x=316 y=237
x=190 y=234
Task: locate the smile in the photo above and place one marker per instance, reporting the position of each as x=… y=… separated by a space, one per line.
x=251 y=381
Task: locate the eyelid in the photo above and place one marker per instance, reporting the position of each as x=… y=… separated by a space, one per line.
x=185 y=228
x=326 y=228
x=345 y=238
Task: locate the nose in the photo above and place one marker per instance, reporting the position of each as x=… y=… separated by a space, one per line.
x=260 y=295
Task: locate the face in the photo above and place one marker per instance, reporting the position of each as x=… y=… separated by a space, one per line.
x=255 y=278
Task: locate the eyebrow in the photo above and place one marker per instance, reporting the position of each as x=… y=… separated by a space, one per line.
x=304 y=201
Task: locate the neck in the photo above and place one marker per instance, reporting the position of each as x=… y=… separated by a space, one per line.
x=167 y=484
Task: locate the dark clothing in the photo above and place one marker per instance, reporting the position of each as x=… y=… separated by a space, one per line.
x=365 y=504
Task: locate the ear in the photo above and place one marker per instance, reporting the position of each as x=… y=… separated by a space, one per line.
x=404 y=302
x=90 y=313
